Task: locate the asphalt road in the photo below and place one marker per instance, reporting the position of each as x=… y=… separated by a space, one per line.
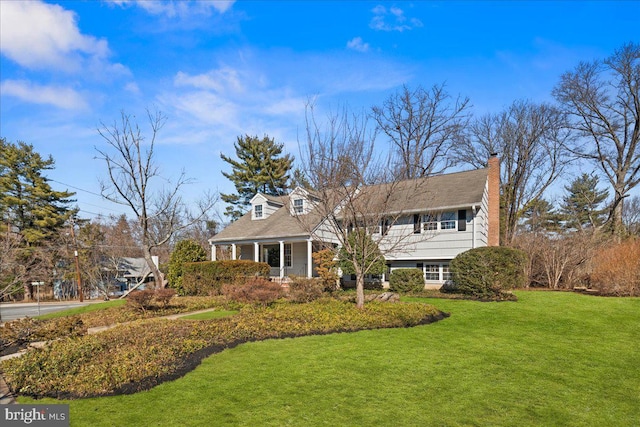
x=19 y=310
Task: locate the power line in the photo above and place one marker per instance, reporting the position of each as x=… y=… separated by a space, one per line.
x=89 y=204
x=77 y=188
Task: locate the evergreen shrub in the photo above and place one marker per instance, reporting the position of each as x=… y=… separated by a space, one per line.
x=207 y=278
x=406 y=280
x=489 y=271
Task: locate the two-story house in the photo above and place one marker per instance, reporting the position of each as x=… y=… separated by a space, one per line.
x=435 y=218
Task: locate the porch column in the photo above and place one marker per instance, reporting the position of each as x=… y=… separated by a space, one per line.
x=309 y=258
x=213 y=252
x=281 y=259
x=233 y=251
x=256 y=252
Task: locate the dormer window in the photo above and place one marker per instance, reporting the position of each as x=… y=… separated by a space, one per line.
x=257 y=211
x=298 y=206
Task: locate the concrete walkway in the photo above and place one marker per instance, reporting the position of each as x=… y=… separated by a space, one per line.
x=6 y=397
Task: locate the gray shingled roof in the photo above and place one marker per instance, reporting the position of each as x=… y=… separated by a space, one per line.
x=449 y=191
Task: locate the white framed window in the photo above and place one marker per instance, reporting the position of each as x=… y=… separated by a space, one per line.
x=448 y=221
x=287 y=255
x=257 y=211
x=432 y=272
x=298 y=206
x=446 y=273
x=429 y=222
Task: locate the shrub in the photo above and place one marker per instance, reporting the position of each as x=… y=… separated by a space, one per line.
x=488 y=271
x=369 y=284
x=305 y=290
x=185 y=251
x=256 y=290
x=406 y=280
x=559 y=261
x=327 y=269
x=163 y=296
x=140 y=300
x=616 y=269
x=207 y=278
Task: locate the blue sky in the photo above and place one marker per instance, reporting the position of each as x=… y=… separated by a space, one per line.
x=219 y=69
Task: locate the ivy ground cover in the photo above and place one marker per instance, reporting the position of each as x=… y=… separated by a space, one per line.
x=548 y=359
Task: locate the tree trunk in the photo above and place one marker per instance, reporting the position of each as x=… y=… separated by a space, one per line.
x=158 y=277
x=360 y=291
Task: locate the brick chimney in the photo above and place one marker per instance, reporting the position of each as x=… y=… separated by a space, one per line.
x=493 y=238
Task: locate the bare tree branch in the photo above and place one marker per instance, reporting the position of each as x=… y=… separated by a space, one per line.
x=159 y=209
x=603 y=99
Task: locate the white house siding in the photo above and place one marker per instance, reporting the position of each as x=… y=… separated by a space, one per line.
x=437 y=244
x=482 y=219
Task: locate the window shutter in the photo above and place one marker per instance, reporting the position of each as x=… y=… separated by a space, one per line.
x=416 y=224
x=462 y=220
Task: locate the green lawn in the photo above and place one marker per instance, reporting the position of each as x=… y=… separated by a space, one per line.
x=551 y=359
x=84 y=309
x=213 y=314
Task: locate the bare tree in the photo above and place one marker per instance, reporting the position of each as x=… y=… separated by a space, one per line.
x=557 y=260
x=530 y=139
x=159 y=210
x=356 y=199
x=422 y=126
x=603 y=98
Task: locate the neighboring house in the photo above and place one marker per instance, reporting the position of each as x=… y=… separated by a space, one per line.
x=129 y=272
x=440 y=217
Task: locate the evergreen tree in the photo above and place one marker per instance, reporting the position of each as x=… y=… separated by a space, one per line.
x=260 y=168
x=540 y=215
x=32 y=214
x=185 y=251
x=581 y=205
x=27 y=201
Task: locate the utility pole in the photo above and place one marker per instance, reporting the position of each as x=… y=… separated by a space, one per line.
x=75 y=255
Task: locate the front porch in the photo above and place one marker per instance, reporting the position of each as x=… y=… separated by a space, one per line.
x=285 y=257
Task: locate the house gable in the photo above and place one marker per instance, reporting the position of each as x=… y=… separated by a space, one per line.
x=301 y=202
x=263 y=206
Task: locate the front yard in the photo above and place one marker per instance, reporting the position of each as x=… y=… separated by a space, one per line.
x=547 y=359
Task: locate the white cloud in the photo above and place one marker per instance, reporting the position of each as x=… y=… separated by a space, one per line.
x=62 y=97
x=133 y=88
x=392 y=19
x=177 y=8
x=358 y=44
x=225 y=79
x=38 y=35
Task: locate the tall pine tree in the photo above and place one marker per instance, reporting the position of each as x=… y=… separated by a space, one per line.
x=27 y=201
x=260 y=167
x=582 y=203
x=31 y=215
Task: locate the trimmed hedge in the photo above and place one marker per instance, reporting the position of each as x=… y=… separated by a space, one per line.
x=207 y=278
x=489 y=271
x=406 y=280
x=142 y=354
